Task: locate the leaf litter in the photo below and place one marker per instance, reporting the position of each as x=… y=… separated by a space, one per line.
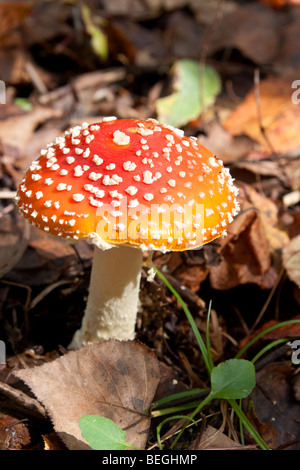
x=99 y=379
x=61 y=68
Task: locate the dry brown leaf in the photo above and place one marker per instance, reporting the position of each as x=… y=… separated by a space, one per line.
x=269 y=215
x=113 y=379
x=279 y=116
x=275 y=413
x=224 y=145
x=213 y=438
x=287 y=59
x=292 y=171
x=291 y=260
x=48 y=259
x=12 y=14
x=253 y=239
x=16 y=131
x=250 y=27
x=245 y=254
x=290 y=330
x=245 y=260
x=263 y=167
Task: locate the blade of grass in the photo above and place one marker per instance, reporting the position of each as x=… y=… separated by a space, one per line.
x=187 y=418
x=190 y=319
x=205 y=349
x=207 y=338
x=192 y=415
x=177 y=396
x=174 y=409
x=267 y=348
x=242 y=437
x=263 y=333
x=252 y=431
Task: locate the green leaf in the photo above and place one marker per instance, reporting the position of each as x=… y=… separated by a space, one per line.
x=98 y=37
x=102 y=433
x=195 y=88
x=23 y=103
x=232 y=379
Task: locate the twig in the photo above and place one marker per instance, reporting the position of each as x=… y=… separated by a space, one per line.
x=7 y=194
x=31 y=404
x=273 y=356
x=45 y=292
x=265 y=306
x=260 y=121
x=36 y=78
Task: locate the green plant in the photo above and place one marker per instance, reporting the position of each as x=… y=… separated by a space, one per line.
x=231 y=380
x=195 y=88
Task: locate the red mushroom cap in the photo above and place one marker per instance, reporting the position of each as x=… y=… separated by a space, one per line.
x=132 y=182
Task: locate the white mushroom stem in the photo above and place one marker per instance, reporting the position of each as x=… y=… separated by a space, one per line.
x=113 y=296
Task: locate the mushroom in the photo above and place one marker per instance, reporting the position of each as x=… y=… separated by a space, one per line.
x=127 y=186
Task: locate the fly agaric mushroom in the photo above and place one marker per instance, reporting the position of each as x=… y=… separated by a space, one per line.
x=127 y=186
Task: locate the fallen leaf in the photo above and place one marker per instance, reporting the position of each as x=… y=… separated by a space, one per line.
x=245 y=255
x=269 y=215
x=223 y=145
x=291 y=260
x=285 y=170
x=113 y=379
x=213 y=438
x=251 y=28
x=194 y=90
x=94 y=26
x=263 y=167
x=290 y=330
x=12 y=14
x=287 y=59
x=292 y=172
x=275 y=413
x=10 y=133
x=280 y=117
x=47 y=259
